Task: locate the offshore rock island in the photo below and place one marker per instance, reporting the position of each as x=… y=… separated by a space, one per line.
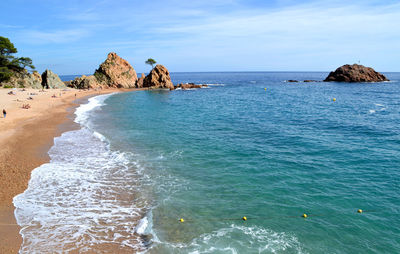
x=355 y=73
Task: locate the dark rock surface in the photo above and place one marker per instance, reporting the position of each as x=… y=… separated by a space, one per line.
x=51 y=80
x=189 y=86
x=355 y=73
x=86 y=82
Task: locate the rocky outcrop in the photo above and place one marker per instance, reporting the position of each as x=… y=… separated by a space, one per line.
x=24 y=80
x=36 y=80
x=51 y=80
x=139 y=83
x=86 y=82
x=116 y=72
x=158 y=78
x=189 y=86
x=355 y=73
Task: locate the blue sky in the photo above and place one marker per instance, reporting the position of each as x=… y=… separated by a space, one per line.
x=74 y=37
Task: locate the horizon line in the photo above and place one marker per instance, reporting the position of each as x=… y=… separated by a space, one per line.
x=232 y=72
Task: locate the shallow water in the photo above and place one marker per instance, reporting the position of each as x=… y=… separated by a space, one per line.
x=249 y=145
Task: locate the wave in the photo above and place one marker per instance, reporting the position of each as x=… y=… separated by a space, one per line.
x=86 y=198
x=83 y=111
x=219 y=241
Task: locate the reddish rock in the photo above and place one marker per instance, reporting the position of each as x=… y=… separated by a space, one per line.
x=139 y=83
x=116 y=72
x=355 y=73
x=158 y=78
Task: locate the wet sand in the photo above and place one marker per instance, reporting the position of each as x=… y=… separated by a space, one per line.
x=25 y=137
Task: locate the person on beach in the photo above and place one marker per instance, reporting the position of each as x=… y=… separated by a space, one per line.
x=4 y=113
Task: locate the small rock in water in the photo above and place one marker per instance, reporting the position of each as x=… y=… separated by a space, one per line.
x=188 y=86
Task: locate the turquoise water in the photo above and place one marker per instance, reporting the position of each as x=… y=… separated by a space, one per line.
x=212 y=156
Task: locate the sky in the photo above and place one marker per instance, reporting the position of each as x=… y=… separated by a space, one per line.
x=75 y=36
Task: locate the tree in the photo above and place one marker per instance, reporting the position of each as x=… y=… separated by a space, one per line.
x=8 y=63
x=26 y=62
x=5 y=74
x=151 y=62
x=6 y=47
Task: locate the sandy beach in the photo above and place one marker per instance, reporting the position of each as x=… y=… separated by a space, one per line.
x=26 y=134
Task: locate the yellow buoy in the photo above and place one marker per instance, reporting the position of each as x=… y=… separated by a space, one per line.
x=304 y=215
x=181 y=220
x=265 y=89
x=334 y=99
x=359 y=211
x=244 y=218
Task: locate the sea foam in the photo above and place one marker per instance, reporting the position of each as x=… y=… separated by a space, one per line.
x=86 y=198
x=219 y=241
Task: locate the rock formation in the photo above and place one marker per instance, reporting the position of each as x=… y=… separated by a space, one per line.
x=86 y=82
x=189 y=86
x=158 y=78
x=139 y=83
x=36 y=80
x=116 y=72
x=24 y=80
x=355 y=73
x=51 y=80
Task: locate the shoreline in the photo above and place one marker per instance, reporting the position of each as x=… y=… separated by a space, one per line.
x=26 y=135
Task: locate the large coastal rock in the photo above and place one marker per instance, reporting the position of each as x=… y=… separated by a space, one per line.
x=116 y=72
x=51 y=80
x=24 y=80
x=355 y=73
x=86 y=82
x=139 y=83
x=158 y=78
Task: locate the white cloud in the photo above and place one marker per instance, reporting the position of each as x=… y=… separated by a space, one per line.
x=316 y=35
x=57 y=36
x=10 y=26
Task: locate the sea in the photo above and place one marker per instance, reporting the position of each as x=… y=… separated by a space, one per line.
x=250 y=164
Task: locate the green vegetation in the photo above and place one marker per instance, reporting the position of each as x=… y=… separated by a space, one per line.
x=100 y=76
x=151 y=62
x=127 y=74
x=9 y=64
